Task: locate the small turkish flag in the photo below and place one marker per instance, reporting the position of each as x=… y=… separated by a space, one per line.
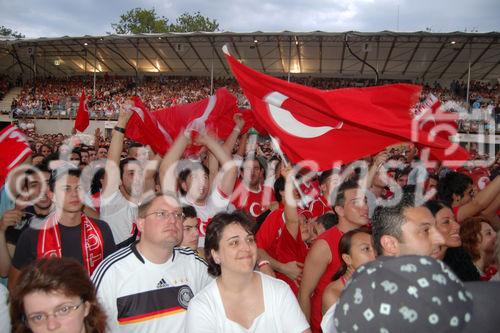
x=14 y=148
x=82 y=116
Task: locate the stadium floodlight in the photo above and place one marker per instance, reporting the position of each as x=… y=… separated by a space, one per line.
x=453 y=42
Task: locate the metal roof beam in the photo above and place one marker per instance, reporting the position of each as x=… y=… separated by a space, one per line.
x=47 y=71
x=412 y=55
x=235 y=48
x=342 y=58
x=490 y=70
x=177 y=54
x=297 y=44
x=87 y=50
x=479 y=56
x=389 y=55
x=321 y=54
x=158 y=54
x=434 y=59
x=100 y=60
x=144 y=55
x=76 y=53
x=121 y=56
x=217 y=54
x=281 y=56
x=197 y=54
x=453 y=59
x=258 y=53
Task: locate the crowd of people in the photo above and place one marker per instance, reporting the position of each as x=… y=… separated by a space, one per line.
x=104 y=235
x=59 y=98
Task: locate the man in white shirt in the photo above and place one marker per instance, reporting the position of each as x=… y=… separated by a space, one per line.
x=146 y=287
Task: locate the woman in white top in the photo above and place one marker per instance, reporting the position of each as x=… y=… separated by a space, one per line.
x=240 y=299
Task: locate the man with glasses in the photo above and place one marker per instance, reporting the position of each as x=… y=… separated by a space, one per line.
x=146 y=287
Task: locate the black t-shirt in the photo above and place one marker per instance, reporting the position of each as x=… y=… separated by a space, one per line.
x=13 y=233
x=71 y=244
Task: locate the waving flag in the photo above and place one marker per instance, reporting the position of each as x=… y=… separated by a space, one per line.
x=340 y=125
x=82 y=116
x=214 y=114
x=143 y=127
x=14 y=148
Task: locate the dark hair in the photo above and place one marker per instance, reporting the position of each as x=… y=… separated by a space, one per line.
x=56 y=174
x=470 y=233
x=402 y=172
x=124 y=162
x=328 y=220
x=435 y=206
x=345 y=248
x=279 y=186
x=96 y=185
x=44 y=145
x=453 y=183
x=186 y=172
x=189 y=211
x=389 y=221
x=214 y=234
x=325 y=175
x=348 y=185
x=259 y=220
x=64 y=275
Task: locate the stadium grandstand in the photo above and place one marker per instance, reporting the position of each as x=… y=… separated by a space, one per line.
x=145 y=155
x=42 y=78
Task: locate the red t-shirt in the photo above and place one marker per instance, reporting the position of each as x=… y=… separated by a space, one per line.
x=332 y=237
x=250 y=201
x=290 y=249
x=270 y=231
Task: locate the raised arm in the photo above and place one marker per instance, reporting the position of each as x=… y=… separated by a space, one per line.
x=481 y=201
x=171 y=157
x=112 y=179
x=291 y=215
x=229 y=177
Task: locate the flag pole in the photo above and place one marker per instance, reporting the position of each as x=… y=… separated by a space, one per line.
x=278 y=150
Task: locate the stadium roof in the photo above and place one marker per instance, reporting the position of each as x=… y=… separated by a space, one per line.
x=407 y=56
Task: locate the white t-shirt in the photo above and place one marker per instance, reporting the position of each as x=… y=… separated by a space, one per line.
x=327 y=324
x=282 y=312
x=140 y=296
x=120 y=214
x=216 y=203
x=4 y=310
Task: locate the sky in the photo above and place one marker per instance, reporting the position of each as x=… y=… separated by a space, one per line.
x=56 y=18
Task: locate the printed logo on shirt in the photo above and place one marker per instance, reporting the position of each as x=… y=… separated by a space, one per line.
x=185 y=295
x=162 y=284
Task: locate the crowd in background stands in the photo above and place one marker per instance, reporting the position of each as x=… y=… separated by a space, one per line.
x=5 y=85
x=59 y=98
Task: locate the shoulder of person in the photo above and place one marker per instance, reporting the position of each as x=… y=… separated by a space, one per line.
x=188 y=254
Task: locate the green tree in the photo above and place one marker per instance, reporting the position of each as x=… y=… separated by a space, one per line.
x=194 y=22
x=139 y=20
x=4 y=31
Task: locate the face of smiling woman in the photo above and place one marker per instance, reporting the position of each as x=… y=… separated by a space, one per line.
x=237 y=250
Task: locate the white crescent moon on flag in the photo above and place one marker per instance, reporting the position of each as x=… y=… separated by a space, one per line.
x=288 y=123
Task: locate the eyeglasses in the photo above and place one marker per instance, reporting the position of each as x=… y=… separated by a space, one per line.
x=37 y=319
x=164 y=215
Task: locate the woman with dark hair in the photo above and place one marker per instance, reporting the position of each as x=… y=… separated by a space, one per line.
x=452 y=253
x=55 y=295
x=355 y=249
x=478 y=239
x=240 y=299
x=456 y=190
